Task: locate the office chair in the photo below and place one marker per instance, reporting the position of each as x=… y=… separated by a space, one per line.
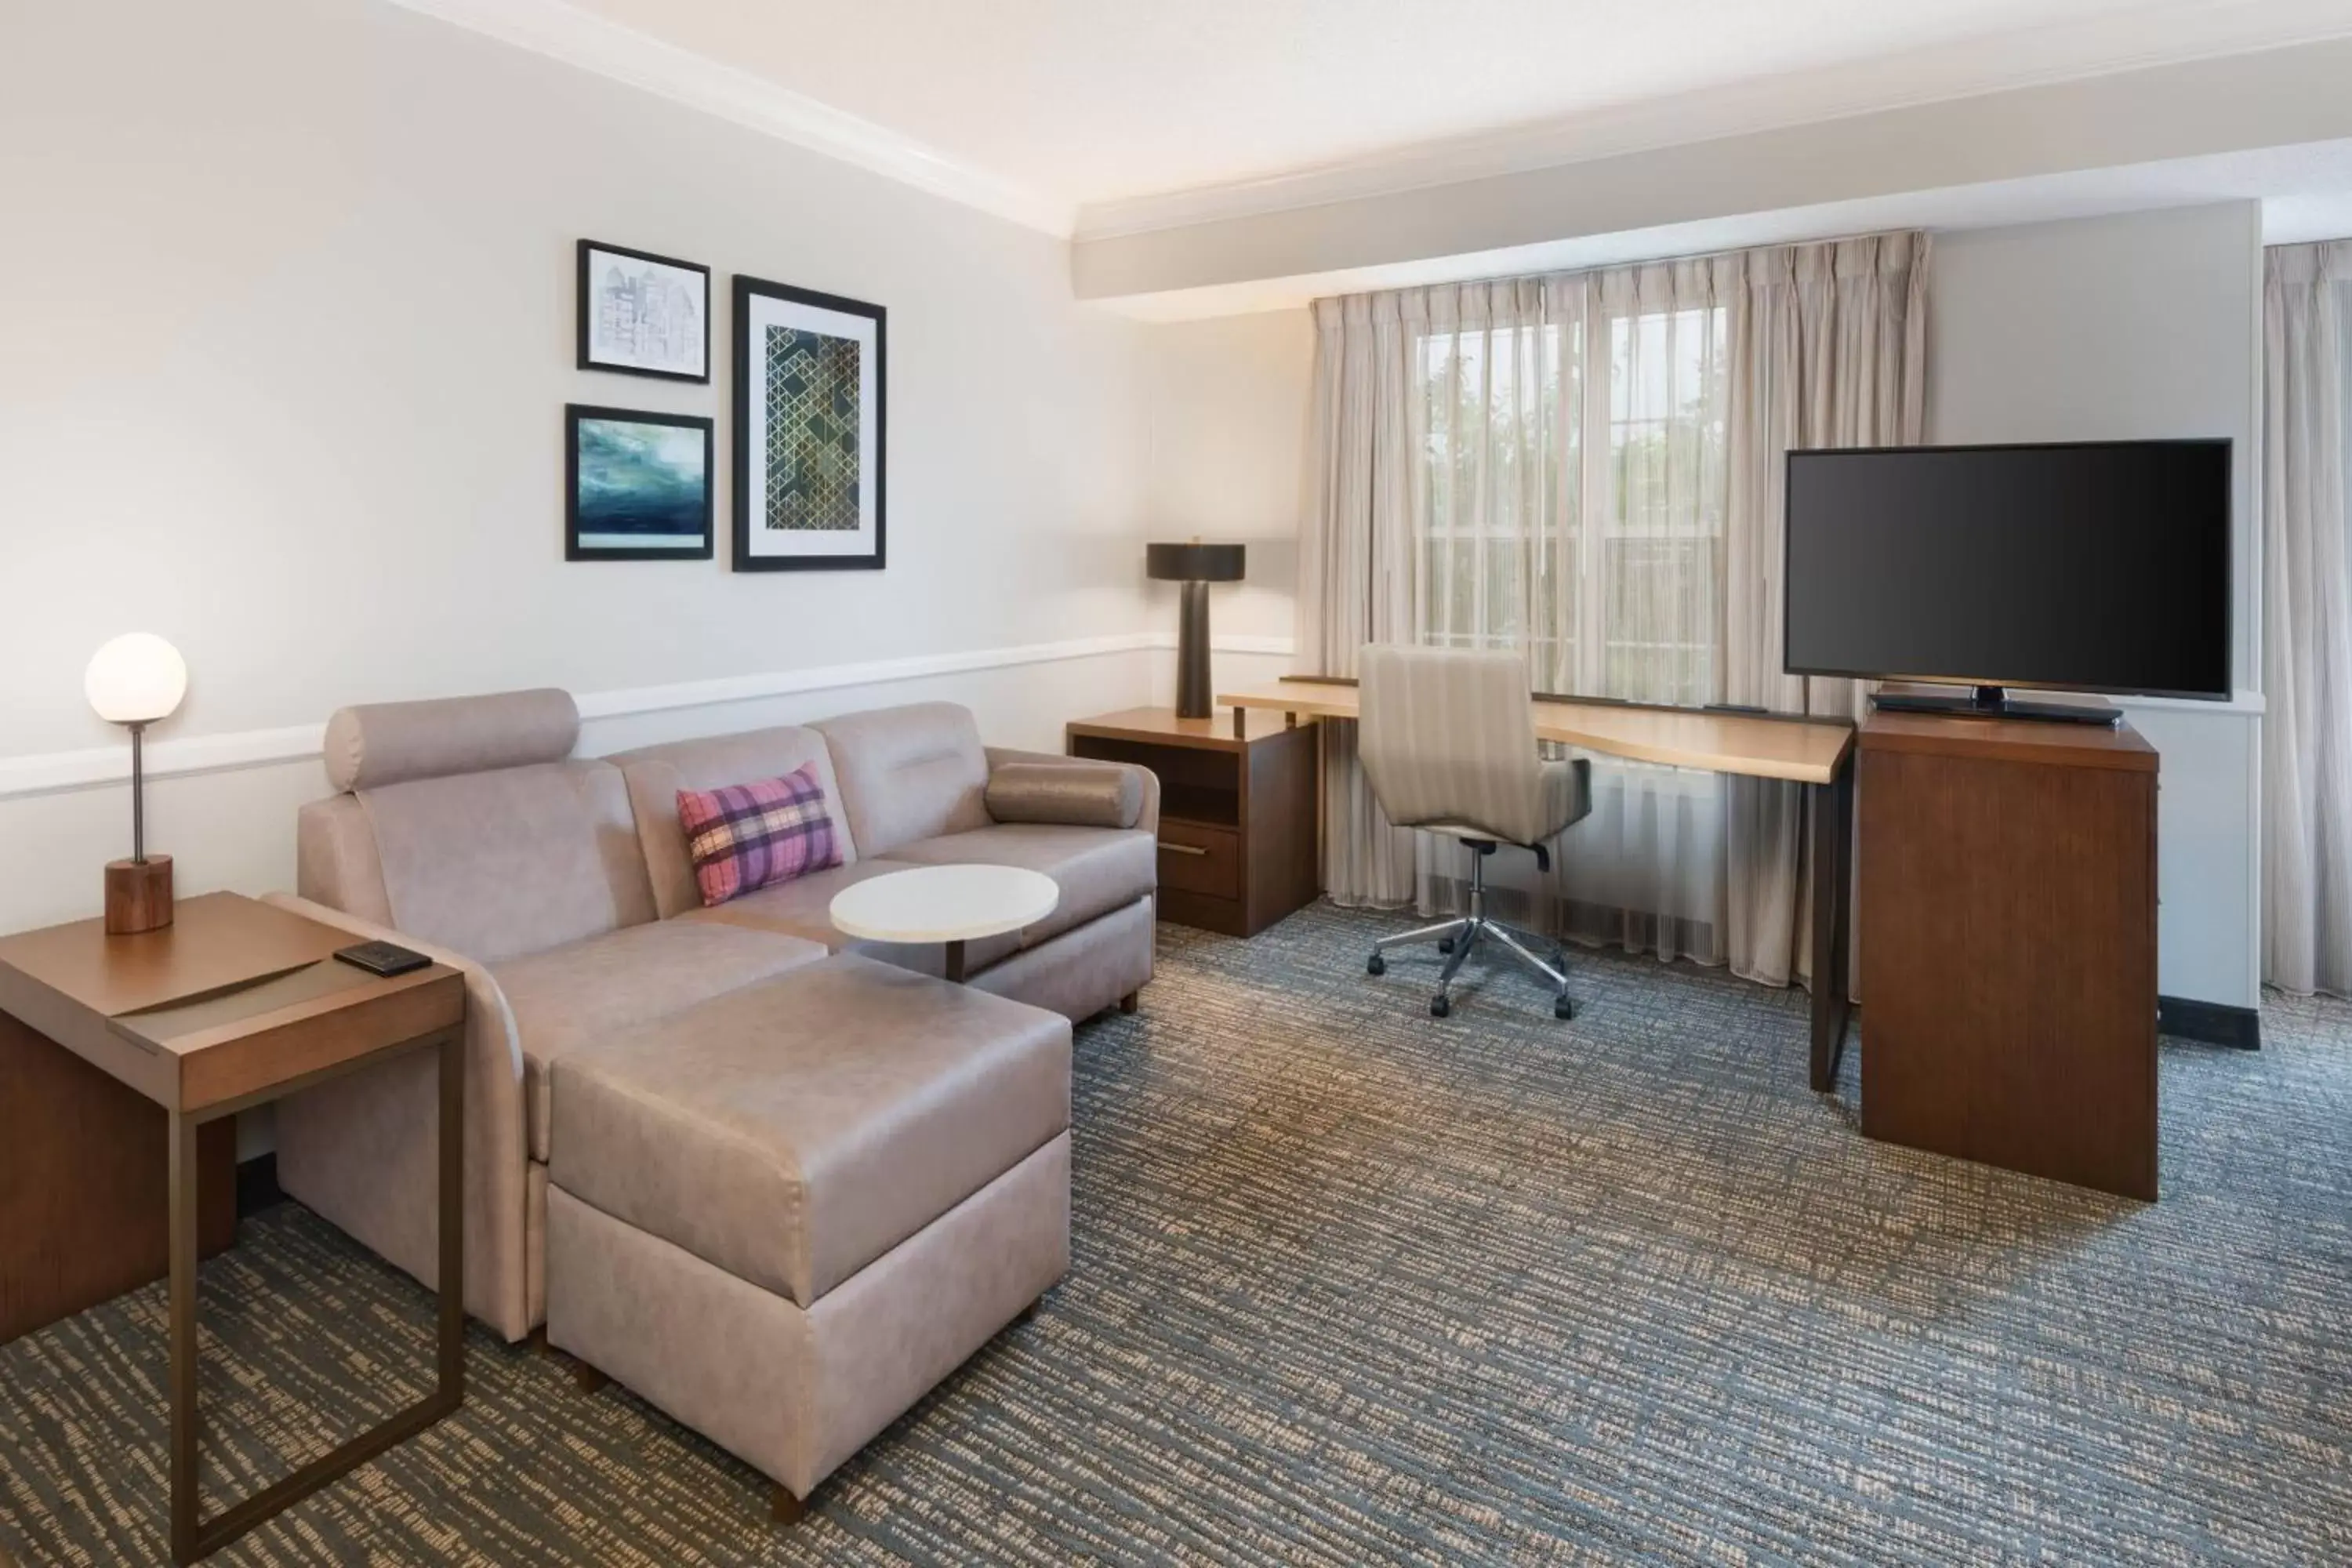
x=1447 y=741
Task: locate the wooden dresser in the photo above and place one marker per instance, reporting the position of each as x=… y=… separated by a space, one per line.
x=2007 y=939
x=1238 y=819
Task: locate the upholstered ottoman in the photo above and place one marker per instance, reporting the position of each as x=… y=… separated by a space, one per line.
x=785 y=1215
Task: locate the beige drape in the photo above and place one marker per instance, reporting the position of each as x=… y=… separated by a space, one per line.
x=2307 y=616
x=1587 y=464
x=1829 y=350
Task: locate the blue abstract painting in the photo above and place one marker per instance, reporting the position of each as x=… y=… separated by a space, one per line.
x=639 y=485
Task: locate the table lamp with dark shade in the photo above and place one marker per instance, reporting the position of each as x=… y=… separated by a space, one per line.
x=134 y=681
x=1196 y=565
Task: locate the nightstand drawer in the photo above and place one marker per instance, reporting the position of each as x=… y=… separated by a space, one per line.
x=1200 y=859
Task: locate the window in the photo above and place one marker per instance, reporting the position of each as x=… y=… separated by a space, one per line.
x=1633 y=607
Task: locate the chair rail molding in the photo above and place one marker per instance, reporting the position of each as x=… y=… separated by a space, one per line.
x=101 y=767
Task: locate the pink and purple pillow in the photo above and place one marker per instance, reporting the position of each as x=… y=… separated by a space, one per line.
x=742 y=837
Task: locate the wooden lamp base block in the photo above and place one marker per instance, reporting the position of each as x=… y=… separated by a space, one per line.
x=138 y=895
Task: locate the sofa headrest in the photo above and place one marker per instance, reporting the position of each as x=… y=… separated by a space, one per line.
x=380 y=743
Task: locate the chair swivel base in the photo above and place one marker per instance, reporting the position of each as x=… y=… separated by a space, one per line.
x=1458 y=938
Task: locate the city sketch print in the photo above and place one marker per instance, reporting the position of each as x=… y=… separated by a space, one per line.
x=644 y=315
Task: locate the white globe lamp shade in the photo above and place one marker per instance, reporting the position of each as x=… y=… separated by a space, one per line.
x=137 y=679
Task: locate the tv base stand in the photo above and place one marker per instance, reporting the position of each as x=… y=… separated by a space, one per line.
x=1994 y=702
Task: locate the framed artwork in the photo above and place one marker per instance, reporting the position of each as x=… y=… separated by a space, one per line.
x=810 y=401
x=642 y=314
x=636 y=485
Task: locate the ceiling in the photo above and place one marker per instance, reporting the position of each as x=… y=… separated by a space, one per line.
x=1101 y=109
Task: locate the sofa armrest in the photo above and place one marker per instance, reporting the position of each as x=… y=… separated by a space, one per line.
x=1147 y=822
x=360 y=1149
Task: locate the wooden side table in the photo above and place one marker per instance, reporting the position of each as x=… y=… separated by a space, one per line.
x=2009 y=945
x=234 y=1004
x=1240 y=819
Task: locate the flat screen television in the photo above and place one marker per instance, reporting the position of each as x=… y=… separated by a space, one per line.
x=2098 y=566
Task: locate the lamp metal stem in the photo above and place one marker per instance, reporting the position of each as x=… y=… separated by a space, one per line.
x=138 y=796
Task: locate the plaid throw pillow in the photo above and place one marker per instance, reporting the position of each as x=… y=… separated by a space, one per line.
x=743 y=836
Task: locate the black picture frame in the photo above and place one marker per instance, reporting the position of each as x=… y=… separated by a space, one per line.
x=743 y=558
x=583 y=289
x=573 y=550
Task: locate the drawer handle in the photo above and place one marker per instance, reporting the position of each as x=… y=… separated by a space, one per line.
x=1167 y=848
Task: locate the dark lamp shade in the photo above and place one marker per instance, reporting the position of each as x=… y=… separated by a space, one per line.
x=1193 y=562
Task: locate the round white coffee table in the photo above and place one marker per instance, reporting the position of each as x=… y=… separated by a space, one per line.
x=951 y=904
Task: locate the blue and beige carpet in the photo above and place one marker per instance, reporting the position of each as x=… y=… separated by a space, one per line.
x=1354 y=1285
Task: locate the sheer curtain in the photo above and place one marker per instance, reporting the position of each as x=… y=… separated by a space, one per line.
x=2307 y=616
x=1587 y=466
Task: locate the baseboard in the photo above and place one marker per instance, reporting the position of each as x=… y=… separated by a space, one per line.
x=2215 y=1022
x=256 y=1185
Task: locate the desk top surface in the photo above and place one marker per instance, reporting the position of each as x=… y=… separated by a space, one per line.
x=1808 y=751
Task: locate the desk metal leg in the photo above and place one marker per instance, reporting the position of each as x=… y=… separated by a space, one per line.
x=1832 y=834
x=193 y=1536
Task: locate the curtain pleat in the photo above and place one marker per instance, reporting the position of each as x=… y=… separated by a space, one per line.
x=2307 y=616
x=1588 y=466
x=1829 y=350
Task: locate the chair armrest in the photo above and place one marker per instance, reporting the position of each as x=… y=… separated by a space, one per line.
x=1147 y=821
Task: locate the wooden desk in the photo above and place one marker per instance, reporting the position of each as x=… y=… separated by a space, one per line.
x=232 y=1005
x=1815 y=753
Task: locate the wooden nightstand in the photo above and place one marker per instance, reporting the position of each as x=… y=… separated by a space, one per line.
x=1239 y=823
x=234 y=1004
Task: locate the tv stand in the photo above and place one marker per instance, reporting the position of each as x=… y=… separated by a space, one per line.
x=1994 y=702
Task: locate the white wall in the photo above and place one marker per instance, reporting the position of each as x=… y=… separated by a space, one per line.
x=2143 y=325
x=1230 y=405
x=287 y=385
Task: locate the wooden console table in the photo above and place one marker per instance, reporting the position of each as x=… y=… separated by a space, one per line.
x=1239 y=809
x=232 y=1005
x=2009 y=945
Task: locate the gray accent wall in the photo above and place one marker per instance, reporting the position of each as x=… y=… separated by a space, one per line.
x=2142 y=324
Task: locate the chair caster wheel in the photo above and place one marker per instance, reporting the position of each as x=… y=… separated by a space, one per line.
x=1376 y=965
x=1445 y=944
x=1562 y=1007
x=1439 y=1007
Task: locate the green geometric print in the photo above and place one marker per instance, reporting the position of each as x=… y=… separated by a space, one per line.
x=812 y=430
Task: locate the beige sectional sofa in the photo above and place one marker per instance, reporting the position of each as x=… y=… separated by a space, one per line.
x=668 y=1061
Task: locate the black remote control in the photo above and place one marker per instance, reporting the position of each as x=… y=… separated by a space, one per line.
x=382 y=958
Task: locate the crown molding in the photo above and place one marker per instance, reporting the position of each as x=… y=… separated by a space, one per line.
x=593 y=43
x=101 y=767
x=2061 y=52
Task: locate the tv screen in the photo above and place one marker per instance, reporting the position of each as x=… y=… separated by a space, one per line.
x=2092 y=566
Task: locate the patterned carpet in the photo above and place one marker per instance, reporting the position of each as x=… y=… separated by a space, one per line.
x=1354 y=1285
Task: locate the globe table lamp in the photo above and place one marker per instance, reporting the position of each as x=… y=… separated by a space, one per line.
x=134 y=681
x=1196 y=565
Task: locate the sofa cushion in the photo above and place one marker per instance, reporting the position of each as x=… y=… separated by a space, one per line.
x=563 y=998
x=794 y=1132
x=803 y=908
x=516 y=860
x=747 y=837
x=655 y=775
x=908 y=772
x=379 y=743
x=1076 y=793
x=1099 y=869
